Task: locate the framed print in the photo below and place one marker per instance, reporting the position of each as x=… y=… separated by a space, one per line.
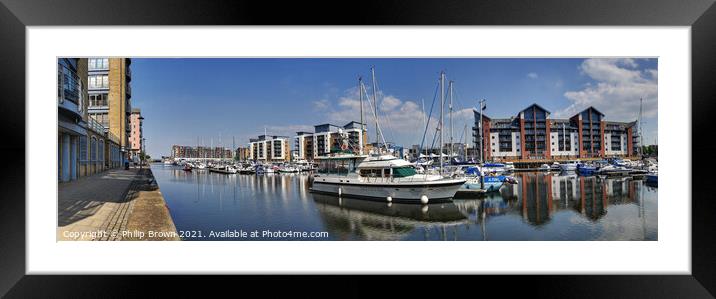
x=432 y=138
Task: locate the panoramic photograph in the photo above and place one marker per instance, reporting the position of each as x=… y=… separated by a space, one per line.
x=357 y=149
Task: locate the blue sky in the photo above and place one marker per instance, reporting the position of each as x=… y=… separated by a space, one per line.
x=217 y=99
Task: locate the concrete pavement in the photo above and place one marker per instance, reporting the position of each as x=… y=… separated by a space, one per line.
x=99 y=207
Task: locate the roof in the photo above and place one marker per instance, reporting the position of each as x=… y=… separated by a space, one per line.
x=477 y=112
x=536 y=105
x=326 y=124
x=595 y=109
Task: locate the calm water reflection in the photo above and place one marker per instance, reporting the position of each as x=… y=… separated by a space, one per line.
x=541 y=207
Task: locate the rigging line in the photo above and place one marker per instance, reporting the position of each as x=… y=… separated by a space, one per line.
x=427 y=123
x=388 y=123
x=380 y=132
x=467 y=120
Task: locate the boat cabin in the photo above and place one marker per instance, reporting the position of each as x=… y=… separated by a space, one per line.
x=388 y=172
x=338 y=165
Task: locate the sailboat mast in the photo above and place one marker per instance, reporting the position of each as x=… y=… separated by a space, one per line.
x=362 y=124
x=425 y=124
x=452 y=146
x=564 y=138
x=442 y=117
x=641 y=138
x=464 y=143
x=375 y=103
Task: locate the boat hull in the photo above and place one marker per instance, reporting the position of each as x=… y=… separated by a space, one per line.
x=224 y=171
x=397 y=192
x=490 y=184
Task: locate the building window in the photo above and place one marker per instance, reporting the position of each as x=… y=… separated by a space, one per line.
x=93 y=149
x=98 y=100
x=101 y=118
x=99 y=81
x=101 y=150
x=83 y=148
x=98 y=63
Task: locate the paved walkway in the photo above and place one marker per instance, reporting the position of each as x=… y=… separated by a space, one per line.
x=93 y=207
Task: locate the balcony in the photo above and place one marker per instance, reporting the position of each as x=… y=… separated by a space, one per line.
x=95 y=125
x=68 y=90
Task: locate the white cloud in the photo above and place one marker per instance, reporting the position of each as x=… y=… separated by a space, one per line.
x=401 y=120
x=389 y=103
x=619 y=86
x=532 y=75
x=320 y=104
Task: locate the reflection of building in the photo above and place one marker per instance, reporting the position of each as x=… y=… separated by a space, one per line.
x=328 y=138
x=533 y=134
x=540 y=195
x=268 y=148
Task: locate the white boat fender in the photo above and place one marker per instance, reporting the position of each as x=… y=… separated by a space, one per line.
x=340 y=191
x=424 y=199
x=389 y=199
x=424 y=209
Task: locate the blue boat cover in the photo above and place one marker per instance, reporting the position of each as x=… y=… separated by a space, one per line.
x=472 y=170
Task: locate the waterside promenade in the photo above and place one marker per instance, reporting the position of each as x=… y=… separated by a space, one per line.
x=114 y=205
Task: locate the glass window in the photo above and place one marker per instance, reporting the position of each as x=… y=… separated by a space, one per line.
x=83 y=148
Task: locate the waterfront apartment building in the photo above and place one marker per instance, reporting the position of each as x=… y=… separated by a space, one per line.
x=242 y=153
x=329 y=138
x=201 y=152
x=83 y=146
x=110 y=96
x=136 y=134
x=533 y=135
x=267 y=148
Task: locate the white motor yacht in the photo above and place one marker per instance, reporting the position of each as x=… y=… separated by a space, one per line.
x=382 y=177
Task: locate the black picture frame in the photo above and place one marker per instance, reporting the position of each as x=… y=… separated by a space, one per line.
x=16 y=15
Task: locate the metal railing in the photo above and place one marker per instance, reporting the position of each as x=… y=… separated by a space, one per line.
x=67 y=85
x=94 y=125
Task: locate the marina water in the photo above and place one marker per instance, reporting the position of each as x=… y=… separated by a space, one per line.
x=207 y=206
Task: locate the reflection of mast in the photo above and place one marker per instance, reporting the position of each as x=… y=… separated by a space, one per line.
x=642 y=213
x=483 y=222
